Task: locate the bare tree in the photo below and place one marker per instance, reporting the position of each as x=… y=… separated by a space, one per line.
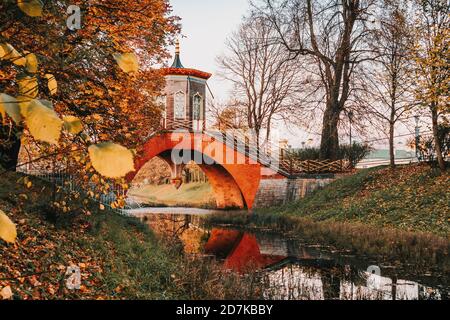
x=262 y=75
x=230 y=115
x=387 y=81
x=331 y=35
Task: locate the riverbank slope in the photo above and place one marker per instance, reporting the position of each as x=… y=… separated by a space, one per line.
x=119 y=257
x=410 y=198
x=402 y=213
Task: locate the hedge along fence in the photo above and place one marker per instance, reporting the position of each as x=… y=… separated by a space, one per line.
x=307 y=160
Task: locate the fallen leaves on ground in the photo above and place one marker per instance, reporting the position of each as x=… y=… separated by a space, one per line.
x=35 y=267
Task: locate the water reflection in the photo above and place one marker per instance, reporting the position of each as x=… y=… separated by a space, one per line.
x=292 y=270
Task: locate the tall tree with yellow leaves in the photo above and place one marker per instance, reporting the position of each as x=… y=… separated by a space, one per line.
x=431 y=54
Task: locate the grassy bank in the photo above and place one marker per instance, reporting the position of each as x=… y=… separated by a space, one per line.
x=411 y=198
x=401 y=214
x=189 y=195
x=119 y=257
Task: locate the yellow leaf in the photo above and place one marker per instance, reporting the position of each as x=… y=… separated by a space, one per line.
x=72 y=124
x=52 y=83
x=97 y=117
x=8 y=230
x=111 y=160
x=32 y=8
x=8 y=52
x=28 y=87
x=47 y=103
x=102 y=207
x=32 y=63
x=127 y=62
x=10 y=106
x=23 y=103
x=43 y=122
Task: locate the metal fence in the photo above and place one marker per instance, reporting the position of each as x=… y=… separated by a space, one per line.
x=68 y=183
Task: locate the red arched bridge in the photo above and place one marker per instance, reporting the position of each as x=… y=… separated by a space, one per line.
x=234 y=164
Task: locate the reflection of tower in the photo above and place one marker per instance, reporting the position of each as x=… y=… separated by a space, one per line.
x=184 y=96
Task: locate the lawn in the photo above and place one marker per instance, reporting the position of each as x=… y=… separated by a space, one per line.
x=412 y=198
x=189 y=195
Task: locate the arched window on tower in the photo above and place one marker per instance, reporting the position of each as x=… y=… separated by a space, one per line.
x=197 y=107
x=197 y=112
x=180 y=105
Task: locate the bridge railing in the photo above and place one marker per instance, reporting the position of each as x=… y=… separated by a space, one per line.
x=183 y=124
x=260 y=150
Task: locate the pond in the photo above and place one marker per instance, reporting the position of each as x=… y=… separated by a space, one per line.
x=296 y=270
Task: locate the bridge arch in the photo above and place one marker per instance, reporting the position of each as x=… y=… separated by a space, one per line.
x=234 y=184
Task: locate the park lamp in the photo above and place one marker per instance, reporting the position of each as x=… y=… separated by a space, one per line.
x=417 y=118
x=350 y=118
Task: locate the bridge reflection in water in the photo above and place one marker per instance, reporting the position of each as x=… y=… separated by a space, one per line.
x=291 y=269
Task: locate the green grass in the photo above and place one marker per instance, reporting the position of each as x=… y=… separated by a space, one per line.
x=411 y=198
x=189 y=195
x=398 y=215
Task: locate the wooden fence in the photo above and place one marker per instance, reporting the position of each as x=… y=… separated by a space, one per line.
x=298 y=167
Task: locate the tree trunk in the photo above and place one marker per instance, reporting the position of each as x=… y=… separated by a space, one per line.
x=9 y=148
x=329 y=145
x=391 y=145
x=437 y=143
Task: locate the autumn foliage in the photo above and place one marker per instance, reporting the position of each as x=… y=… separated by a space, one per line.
x=90 y=83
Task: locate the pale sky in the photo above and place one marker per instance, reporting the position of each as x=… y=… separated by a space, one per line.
x=207 y=24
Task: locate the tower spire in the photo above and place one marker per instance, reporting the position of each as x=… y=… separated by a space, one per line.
x=177 y=61
x=177 y=47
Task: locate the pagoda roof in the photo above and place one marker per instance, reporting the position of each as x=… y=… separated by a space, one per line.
x=178 y=69
x=186 y=72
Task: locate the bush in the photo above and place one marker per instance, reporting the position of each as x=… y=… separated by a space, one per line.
x=353 y=153
x=305 y=154
x=426 y=147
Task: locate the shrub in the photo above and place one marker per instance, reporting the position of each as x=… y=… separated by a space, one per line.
x=305 y=154
x=426 y=147
x=353 y=153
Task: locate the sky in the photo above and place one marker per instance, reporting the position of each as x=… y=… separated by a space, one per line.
x=206 y=25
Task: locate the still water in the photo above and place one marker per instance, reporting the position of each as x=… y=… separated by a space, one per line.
x=293 y=269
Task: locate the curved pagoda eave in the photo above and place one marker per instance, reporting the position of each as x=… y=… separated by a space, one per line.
x=186 y=72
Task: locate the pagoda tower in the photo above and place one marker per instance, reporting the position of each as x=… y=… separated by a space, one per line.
x=184 y=96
